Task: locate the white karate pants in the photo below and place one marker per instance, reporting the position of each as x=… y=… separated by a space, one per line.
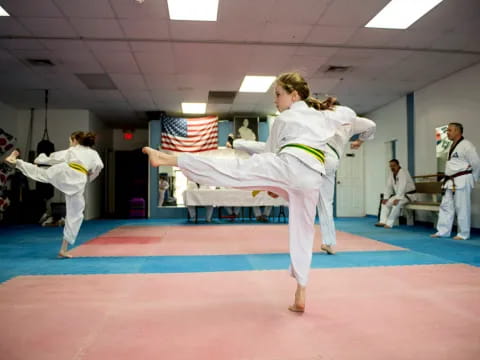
x=161 y=197
x=282 y=174
x=192 y=212
x=390 y=213
x=69 y=181
x=459 y=203
x=325 y=200
x=258 y=212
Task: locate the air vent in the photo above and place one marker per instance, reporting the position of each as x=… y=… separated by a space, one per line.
x=337 y=69
x=221 y=97
x=97 y=81
x=40 y=62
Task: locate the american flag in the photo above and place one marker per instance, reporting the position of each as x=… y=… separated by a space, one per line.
x=190 y=135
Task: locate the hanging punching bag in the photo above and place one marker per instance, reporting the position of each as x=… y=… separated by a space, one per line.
x=45 y=146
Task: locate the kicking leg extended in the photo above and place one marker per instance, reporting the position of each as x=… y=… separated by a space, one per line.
x=12 y=158
x=158 y=158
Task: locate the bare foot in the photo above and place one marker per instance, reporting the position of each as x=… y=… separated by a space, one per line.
x=458 y=238
x=328 y=249
x=387 y=227
x=64 y=255
x=379 y=224
x=296 y=308
x=299 y=305
x=434 y=236
x=158 y=158
x=12 y=158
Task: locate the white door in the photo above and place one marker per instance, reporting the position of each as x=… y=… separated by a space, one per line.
x=350 y=189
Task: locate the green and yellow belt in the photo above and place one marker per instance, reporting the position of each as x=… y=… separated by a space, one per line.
x=318 y=154
x=78 y=167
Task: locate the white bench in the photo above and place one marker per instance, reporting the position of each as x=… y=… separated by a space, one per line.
x=433 y=191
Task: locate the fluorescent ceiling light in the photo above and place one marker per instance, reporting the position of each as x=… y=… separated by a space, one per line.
x=194 y=108
x=200 y=10
x=256 y=84
x=400 y=14
x=3 y=12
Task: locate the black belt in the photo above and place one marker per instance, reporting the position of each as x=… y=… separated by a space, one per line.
x=333 y=149
x=452 y=177
x=410 y=193
x=406 y=194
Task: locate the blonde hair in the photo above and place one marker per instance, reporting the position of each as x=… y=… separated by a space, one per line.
x=293 y=81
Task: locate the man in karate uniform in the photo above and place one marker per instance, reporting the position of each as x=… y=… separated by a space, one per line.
x=462 y=170
x=399 y=191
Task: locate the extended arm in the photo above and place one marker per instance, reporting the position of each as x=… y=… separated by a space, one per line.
x=54 y=158
x=249 y=146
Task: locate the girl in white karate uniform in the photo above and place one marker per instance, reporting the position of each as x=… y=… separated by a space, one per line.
x=69 y=172
x=291 y=167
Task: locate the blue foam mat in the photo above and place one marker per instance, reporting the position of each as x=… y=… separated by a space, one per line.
x=31 y=250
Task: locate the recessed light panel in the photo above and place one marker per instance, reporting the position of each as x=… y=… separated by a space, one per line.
x=194 y=108
x=256 y=84
x=3 y=12
x=194 y=10
x=400 y=14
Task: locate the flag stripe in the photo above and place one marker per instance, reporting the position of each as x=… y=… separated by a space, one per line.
x=175 y=140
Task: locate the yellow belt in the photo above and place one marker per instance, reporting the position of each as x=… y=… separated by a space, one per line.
x=318 y=154
x=78 y=167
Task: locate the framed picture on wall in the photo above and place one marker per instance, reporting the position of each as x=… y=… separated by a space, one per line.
x=246 y=127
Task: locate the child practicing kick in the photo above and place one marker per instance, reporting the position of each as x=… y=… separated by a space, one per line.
x=69 y=172
x=292 y=167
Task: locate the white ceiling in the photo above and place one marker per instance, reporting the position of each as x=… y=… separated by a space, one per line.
x=156 y=63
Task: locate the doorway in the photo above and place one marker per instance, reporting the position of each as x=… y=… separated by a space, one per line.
x=131 y=180
x=350 y=189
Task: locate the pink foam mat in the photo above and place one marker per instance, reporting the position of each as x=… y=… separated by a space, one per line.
x=209 y=240
x=408 y=312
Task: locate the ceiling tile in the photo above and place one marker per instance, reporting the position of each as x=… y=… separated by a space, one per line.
x=106 y=45
x=128 y=81
x=12 y=27
x=289 y=12
x=48 y=27
x=145 y=29
x=118 y=62
x=285 y=33
x=99 y=9
x=330 y=35
x=155 y=62
x=251 y=11
x=193 y=30
x=98 y=28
